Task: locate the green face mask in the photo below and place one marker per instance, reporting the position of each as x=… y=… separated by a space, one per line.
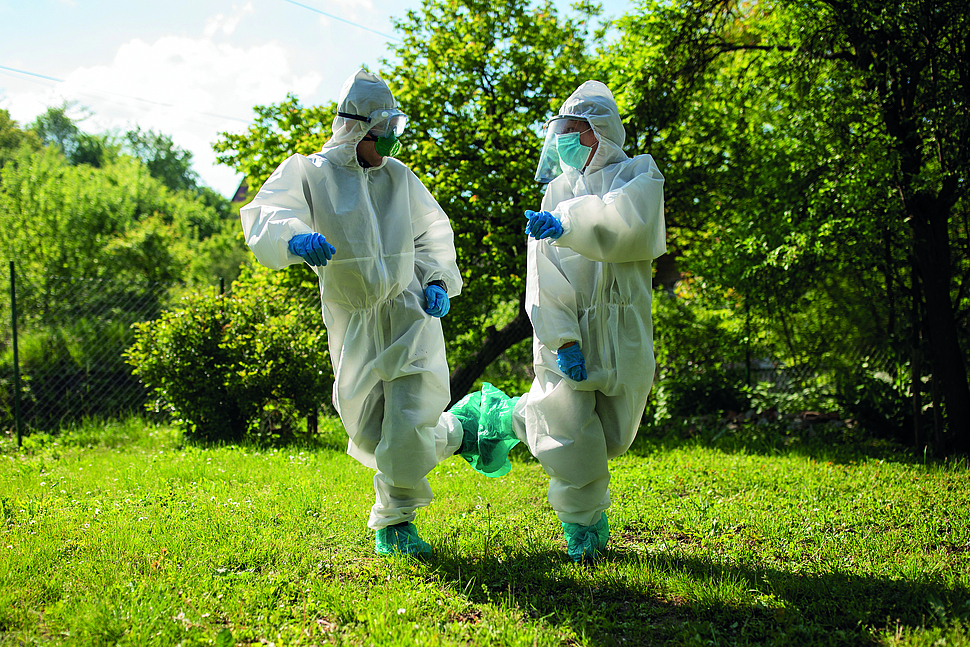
x=571 y=152
x=387 y=145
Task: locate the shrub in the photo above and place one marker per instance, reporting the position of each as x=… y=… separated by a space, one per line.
x=880 y=405
x=224 y=364
x=710 y=392
x=699 y=345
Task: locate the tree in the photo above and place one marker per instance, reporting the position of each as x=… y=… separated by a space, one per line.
x=165 y=161
x=830 y=160
x=477 y=79
x=56 y=128
x=278 y=131
x=12 y=138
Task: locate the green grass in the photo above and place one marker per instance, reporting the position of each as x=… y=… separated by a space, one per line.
x=120 y=534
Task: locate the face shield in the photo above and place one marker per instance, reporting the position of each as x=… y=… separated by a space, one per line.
x=386 y=125
x=561 y=146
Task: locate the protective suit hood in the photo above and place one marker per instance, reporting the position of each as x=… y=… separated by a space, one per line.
x=365 y=95
x=594 y=102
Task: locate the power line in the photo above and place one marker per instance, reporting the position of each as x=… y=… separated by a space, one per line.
x=359 y=26
x=4 y=68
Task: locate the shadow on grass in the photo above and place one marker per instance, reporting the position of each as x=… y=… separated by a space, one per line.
x=624 y=600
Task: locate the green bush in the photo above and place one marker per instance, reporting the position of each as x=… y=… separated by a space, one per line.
x=696 y=332
x=243 y=365
x=69 y=370
x=877 y=402
x=699 y=345
x=710 y=392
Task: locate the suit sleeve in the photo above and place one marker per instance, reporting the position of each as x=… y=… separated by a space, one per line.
x=280 y=210
x=626 y=224
x=435 y=258
x=550 y=300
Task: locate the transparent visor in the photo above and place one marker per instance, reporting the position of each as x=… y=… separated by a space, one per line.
x=383 y=122
x=550 y=166
x=386 y=122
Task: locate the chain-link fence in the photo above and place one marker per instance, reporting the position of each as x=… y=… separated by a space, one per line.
x=71 y=336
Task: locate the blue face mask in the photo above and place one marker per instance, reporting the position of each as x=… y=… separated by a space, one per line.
x=571 y=152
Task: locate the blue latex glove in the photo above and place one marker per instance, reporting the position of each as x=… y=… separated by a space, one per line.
x=438 y=303
x=313 y=248
x=543 y=224
x=572 y=363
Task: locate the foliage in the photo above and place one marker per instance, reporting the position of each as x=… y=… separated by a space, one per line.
x=71 y=371
x=512 y=370
x=877 y=402
x=797 y=172
x=115 y=221
x=165 y=161
x=56 y=128
x=225 y=364
x=758 y=537
x=715 y=391
x=12 y=138
x=701 y=351
x=695 y=332
x=477 y=79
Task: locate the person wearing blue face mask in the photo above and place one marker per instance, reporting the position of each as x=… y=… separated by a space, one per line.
x=588 y=294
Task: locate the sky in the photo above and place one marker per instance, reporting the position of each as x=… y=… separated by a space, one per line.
x=190 y=69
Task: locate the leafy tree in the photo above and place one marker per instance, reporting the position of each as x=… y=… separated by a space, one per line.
x=92 y=241
x=56 y=128
x=820 y=148
x=12 y=137
x=165 y=161
x=477 y=79
x=278 y=131
x=115 y=222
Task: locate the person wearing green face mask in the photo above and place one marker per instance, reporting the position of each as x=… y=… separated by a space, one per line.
x=383 y=250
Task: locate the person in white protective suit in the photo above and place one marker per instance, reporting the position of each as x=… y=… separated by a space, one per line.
x=384 y=253
x=588 y=294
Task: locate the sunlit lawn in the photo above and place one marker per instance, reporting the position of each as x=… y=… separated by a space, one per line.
x=123 y=535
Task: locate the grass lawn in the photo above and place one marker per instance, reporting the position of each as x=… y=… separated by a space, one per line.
x=121 y=534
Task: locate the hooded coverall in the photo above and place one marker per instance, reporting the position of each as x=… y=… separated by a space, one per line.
x=593 y=286
x=391 y=239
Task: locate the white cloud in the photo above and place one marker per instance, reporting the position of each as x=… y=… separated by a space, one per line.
x=349 y=8
x=227 y=25
x=191 y=89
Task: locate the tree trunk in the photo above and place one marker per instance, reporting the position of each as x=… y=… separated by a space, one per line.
x=932 y=256
x=916 y=362
x=496 y=342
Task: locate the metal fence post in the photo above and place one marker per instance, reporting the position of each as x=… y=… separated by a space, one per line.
x=16 y=359
x=747 y=342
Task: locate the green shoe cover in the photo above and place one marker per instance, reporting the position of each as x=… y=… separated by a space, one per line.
x=585 y=543
x=488 y=434
x=401 y=539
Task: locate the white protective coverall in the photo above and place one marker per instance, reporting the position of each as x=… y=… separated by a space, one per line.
x=593 y=286
x=391 y=239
